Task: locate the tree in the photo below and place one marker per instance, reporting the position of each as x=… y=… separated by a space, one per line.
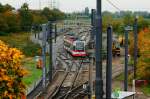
x=144 y=60
x=52 y=15
x=12 y=21
x=1 y=8
x=5 y=8
x=143 y=66
x=26 y=17
x=3 y=25
x=107 y=20
x=39 y=19
x=128 y=19
x=142 y=23
x=118 y=26
x=47 y=13
x=8 y=7
x=11 y=72
x=57 y=14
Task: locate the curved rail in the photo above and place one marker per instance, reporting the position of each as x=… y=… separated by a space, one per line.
x=73 y=82
x=38 y=88
x=57 y=93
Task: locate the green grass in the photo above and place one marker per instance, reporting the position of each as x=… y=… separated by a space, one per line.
x=146 y=90
x=34 y=73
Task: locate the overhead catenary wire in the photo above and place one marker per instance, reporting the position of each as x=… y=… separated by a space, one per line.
x=111 y=3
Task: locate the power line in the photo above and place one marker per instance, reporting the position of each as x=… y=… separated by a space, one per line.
x=114 y=5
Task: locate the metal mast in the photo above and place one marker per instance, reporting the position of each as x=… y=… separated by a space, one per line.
x=99 y=81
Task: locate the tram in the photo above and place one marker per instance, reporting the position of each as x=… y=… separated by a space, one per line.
x=74 y=46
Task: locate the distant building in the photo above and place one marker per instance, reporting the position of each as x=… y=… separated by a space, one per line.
x=86 y=11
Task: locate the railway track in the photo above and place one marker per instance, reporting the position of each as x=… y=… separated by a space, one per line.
x=67 y=83
x=69 y=73
x=72 y=94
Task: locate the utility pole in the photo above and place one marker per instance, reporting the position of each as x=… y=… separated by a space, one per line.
x=55 y=32
x=90 y=81
x=44 y=28
x=92 y=43
x=109 y=63
x=135 y=45
x=126 y=61
x=93 y=23
x=99 y=80
x=50 y=50
x=127 y=29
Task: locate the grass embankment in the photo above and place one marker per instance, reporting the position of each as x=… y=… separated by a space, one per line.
x=34 y=73
x=22 y=42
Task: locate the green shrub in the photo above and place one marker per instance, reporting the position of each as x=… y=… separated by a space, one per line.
x=3 y=33
x=31 y=49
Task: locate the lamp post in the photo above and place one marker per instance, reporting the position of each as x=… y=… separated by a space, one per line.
x=127 y=29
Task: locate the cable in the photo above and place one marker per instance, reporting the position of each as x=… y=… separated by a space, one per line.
x=114 y=5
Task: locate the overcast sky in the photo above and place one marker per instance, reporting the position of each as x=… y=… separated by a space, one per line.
x=79 y=5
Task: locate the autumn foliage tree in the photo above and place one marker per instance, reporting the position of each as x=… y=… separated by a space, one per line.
x=11 y=72
x=21 y=20
x=144 y=60
x=143 y=66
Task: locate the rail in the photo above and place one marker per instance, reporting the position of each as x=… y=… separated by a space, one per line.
x=56 y=93
x=37 y=87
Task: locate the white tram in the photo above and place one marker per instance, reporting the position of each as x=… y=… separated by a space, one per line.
x=74 y=46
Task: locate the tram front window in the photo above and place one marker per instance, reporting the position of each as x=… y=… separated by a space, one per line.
x=80 y=46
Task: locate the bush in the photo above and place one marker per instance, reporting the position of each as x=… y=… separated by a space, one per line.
x=3 y=33
x=11 y=72
x=31 y=49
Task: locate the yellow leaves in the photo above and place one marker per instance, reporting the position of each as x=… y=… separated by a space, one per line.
x=9 y=84
x=11 y=71
x=22 y=72
x=25 y=72
x=15 y=54
x=9 y=54
x=143 y=69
